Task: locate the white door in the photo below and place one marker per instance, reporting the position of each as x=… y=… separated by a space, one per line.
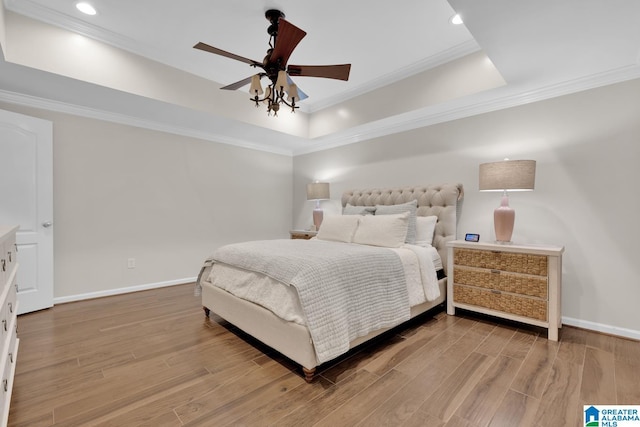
x=26 y=199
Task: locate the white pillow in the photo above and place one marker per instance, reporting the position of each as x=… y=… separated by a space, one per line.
x=338 y=228
x=425 y=227
x=386 y=230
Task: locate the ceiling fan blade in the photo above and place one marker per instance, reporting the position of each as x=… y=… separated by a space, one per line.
x=288 y=38
x=211 y=49
x=238 y=84
x=338 y=72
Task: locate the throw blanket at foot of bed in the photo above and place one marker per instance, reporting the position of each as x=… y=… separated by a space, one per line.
x=345 y=290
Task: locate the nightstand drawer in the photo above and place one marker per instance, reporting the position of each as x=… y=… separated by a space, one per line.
x=535 y=286
x=532 y=308
x=505 y=261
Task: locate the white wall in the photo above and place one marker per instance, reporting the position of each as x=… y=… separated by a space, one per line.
x=587 y=150
x=168 y=201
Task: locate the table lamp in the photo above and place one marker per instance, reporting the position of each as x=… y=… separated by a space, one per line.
x=317 y=191
x=511 y=175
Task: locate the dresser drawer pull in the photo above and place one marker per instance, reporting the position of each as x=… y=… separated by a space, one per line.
x=16 y=246
x=4 y=324
x=5 y=384
x=495 y=291
x=4 y=265
x=495 y=271
x=10 y=307
x=9 y=255
x=11 y=357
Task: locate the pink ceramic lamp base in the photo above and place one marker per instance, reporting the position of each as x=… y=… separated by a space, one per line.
x=503 y=219
x=317 y=216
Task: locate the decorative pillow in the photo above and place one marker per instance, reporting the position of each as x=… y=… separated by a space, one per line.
x=410 y=207
x=358 y=210
x=338 y=228
x=386 y=230
x=425 y=227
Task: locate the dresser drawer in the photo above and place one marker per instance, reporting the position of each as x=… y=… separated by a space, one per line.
x=7 y=308
x=12 y=297
x=535 y=286
x=9 y=253
x=505 y=261
x=10 y=360
x=524 y=306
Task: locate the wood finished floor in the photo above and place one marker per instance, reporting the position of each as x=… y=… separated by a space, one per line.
x=152 y=359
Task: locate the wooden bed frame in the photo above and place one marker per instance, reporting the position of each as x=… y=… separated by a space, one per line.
x=294 y=340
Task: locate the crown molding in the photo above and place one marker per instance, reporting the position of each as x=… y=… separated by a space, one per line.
x=493 y=100
x=92 y=113
x=68 y=22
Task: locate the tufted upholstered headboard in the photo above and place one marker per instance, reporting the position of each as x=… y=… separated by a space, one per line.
x=439 y=200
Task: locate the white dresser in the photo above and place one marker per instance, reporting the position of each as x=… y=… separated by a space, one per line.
x=8 y=316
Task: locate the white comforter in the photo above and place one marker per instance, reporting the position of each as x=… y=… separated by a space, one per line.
x=389 y=282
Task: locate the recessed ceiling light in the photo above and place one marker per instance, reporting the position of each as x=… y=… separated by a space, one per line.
x=86 y=8
x=456 y=19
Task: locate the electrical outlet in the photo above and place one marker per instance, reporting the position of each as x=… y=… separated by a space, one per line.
x=131 y=263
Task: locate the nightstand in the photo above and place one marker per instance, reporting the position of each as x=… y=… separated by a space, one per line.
x=511 y=281
x=302 y=234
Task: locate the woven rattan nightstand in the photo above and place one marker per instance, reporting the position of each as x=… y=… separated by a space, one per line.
x=302 y=234
x=516 y=282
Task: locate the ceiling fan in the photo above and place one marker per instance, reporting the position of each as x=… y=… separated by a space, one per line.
x=284 y=38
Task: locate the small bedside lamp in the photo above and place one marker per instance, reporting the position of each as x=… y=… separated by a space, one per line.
x=317 y=191
x=513 y=175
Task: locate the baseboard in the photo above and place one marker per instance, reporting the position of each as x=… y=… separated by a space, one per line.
x=599 y=327
x=119 y=291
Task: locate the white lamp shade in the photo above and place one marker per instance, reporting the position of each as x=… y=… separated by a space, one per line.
x=293 y=92
x=318 y=191
x=282 y=81
x=513 y=175
x=255 y=85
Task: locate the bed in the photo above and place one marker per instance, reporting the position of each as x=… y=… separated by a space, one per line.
x=228 y=288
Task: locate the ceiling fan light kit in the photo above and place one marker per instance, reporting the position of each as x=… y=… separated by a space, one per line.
x=284 y=37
